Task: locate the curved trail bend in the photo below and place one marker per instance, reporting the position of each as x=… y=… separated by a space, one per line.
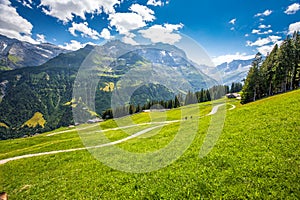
x=213 y=111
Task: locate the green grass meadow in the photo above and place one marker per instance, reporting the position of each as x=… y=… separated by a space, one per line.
x=256 y=157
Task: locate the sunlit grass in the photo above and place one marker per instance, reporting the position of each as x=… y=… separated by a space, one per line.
x=256 y=157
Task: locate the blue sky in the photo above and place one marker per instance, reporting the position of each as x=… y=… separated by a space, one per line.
x=227 y=30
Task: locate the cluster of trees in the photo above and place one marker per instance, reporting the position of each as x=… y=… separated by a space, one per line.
x=132 y=109
x=236 y=87
x=279 y=72
x=216 y=92
x=213 y=93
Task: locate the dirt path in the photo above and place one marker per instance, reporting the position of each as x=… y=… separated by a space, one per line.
x=213 y=111
x=67 y=131
x=233 y=107
x=84 y=148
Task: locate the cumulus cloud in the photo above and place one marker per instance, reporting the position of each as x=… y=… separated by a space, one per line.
x=155 y=3
x=105 y=33
x=274 y=38
x=259 y=42
x=230 y=57
x=26 y=3
x=67 y=9
x=292 y=9
x=163 y=33
x=265 y=45
x=265 y=50
x=294 y=27
x=146 y=13
x=126 y=22
x=258 y=31
x=12 y=24
x=84 y=30
x=232 y=21
x=264 y=14
x=74 y=45
x=262 y=26
x=129 y=39
x=41 y=38
x=264 y=41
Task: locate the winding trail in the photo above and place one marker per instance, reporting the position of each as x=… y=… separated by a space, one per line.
x=233 y=107
x=83 y=148
x=213 y=111
x=67 y=131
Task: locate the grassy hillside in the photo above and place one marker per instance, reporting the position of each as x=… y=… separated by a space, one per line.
x=256 y=157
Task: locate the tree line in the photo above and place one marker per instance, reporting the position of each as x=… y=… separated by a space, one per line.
x=278 y=73
x=204 y=95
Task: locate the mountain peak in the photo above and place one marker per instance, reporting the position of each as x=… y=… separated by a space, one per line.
x=18 y=54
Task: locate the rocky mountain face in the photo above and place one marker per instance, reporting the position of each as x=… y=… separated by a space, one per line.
x=16 y=54
x=83 y=83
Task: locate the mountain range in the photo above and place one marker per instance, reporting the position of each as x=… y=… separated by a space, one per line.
x=229 y=72
x=16 y=54
x=82 y=83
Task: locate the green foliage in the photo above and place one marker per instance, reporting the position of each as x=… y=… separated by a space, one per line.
x=280 y=72
x=236 y=87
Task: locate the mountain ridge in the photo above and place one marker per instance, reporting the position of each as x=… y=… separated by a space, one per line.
x=16 y=54
x=48 y=88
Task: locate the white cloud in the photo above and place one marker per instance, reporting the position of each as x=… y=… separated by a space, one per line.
x=260 y=42
x=105 y=33
x=258 y=31
x=41 y=38
x=294 y=27
x=262 y=26
x=173 y=27
x=266 y=13
x=26 y=3
x=74 y=45
x=232 y=21
x=254 y=31
x=126 y=22
x=65 y=10
x=155 y=3
x=274 y=38
x=84 y=30
x=265 y=50
x=164 y=34
x=292 y=9
x=266 y=32
x=12 y=24
x=230 y=57
x=129 y=39
x=146 y=13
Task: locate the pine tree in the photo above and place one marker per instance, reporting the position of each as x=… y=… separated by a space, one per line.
x=268 y=70
x=176 y=102
x=253 y=81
